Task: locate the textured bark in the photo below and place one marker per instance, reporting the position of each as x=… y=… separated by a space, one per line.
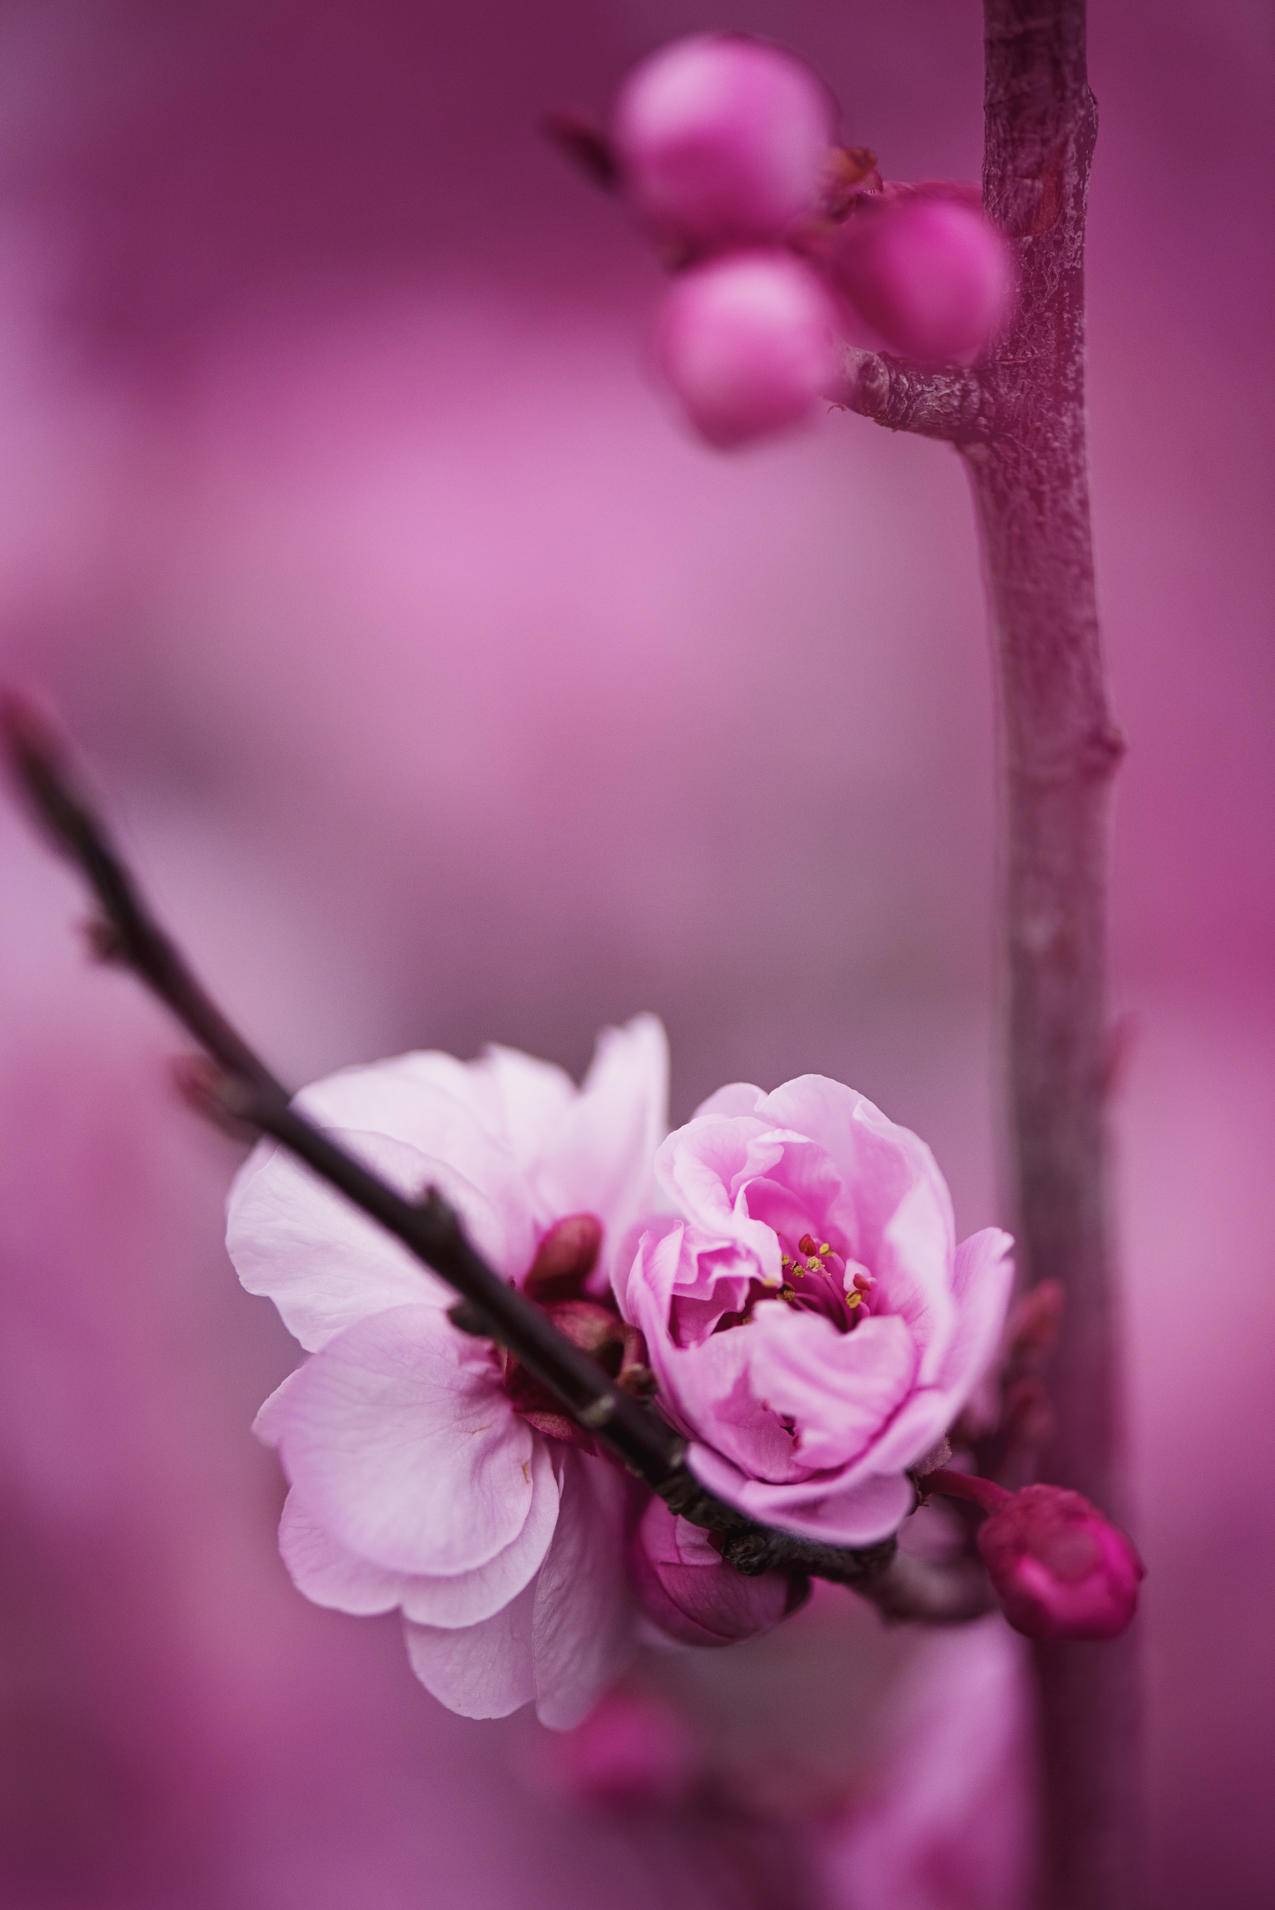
x=1060 y=747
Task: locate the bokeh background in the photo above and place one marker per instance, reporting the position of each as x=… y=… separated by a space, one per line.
x=447 y=692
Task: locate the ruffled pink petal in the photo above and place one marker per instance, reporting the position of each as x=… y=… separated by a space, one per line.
x=564 y=1639
x=523 y=1101
x=599 y=1158
x=859 y=1514
x=582 y=1627
x=713 y=1389
x=704 y=1170
x=330 y=1575
x=879 y=1161
x=840 y=1389
x=913 y=1268
x=482 y=1671
x=403 y=1446
x=472 y=1597
x=326 y=1573
x=429 y=1100
x=322 y=1263
x=737 y=1097
x=983 y=1277
x=272 y=1414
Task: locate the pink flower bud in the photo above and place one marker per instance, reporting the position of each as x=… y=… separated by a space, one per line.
x=748 y=343
x=633 y=1749
x=722 y=138
x=932 y=276
x=1058 y=1567
x=689 y=1592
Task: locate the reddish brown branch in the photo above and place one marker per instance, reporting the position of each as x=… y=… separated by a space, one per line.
x=952 y=405
x=1060 y=747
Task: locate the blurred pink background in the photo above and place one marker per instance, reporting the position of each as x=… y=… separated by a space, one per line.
x=447 y=692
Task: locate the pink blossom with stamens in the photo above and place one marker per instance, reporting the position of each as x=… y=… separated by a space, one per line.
x=425 y=1474
x=812 y=1322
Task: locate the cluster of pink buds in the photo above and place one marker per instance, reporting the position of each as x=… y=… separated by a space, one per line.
x=784 y=243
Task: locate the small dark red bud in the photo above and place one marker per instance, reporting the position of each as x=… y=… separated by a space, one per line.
x=1059 y=1568
x=565 y=1258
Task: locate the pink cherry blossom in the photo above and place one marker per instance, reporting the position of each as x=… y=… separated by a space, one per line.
x=691 y=1594
x=421 y=1477
x=722 y=138
x=811 y=1320
x=748 y=344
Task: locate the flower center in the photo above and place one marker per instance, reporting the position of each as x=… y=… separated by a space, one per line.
x=818 y=1279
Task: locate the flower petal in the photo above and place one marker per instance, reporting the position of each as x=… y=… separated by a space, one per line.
x=582 y=1628
x=481 y=1671
x=319 y=1259
x=600 y=1160
x=982 y=1279
x=326 y=1573
x=471 y=1597
x=840 y=1389
x=403 y=1446
x=859 y=1514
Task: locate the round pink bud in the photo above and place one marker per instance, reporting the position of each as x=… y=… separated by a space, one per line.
x=931 y=275
x=722 y=138
x=633 y=1749
x=748 y=343
x=688 y=1591
x=1059 y=1569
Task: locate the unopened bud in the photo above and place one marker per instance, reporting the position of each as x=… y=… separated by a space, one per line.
x=932 y=276
x=1058 y=1567
x=748 y=345
x=689 y=1592
x=635 y=1750
x=565 y=1258
x=722 y=139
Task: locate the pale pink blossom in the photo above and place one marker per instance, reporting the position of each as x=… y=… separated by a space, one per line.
x=809 y=1315
x=689 y=1593
x=417 y=1479
x=722 y=138
x=748 y=344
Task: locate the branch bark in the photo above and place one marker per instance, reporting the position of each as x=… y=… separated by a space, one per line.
x=1060 y=748
x=234 y=1084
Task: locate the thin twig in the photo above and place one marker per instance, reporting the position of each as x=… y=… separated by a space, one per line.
x=235 y=1084
x=950 y=404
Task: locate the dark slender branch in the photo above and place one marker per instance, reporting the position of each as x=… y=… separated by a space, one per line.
x=238 y=1085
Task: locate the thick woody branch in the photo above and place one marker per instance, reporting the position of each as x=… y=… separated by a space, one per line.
x=234 y=1084
x=1059 y=749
